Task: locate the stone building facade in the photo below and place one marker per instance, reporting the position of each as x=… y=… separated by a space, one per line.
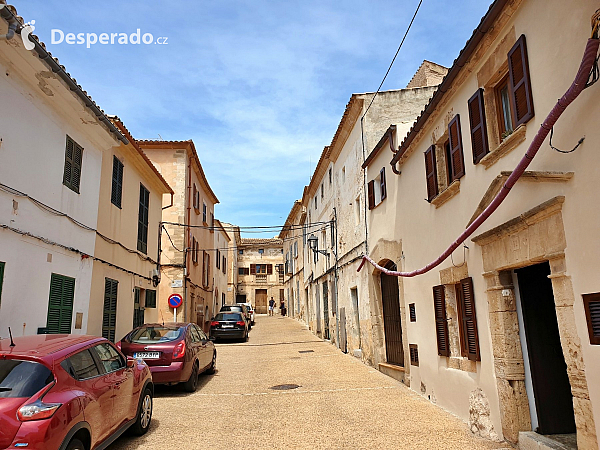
x=188 y=257
x=502 y=332
x=260 y=272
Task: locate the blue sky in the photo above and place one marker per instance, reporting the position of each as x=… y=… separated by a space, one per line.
x=260 y=86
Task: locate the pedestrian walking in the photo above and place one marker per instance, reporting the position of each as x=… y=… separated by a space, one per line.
x=271 y=306
x=282 y=308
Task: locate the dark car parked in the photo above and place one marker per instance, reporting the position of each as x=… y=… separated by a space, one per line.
x=240 y=307
x=229 y=325
x=175 y=352
x=70 y=392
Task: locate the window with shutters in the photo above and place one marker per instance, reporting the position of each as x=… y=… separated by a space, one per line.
x=218 y=259
x=73 y=162
x=142 y=244
x=224 y=265
x=467 y=320
x=591 y=304
x=1 y=279
x=117 y=183
x=520 y=84
x=441 y=320
x=456 y=162
x=431 y=173
x=479 y=137
x=414 y=354
x=109 y=315
x=377 y=190
x=204 y=213
x=196 y=199
x=504 y=109
x=138 y=310
x=243 y=271
x=150 y=298
x=206 y=268
x=60 y=304
x=413 y=312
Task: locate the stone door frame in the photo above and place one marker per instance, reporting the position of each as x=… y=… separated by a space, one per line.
x=534 y=237
x=382 y=252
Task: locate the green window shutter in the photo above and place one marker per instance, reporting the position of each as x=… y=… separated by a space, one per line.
x=109 y=316
x=1 y=279
x=150 y=298
x=142 y=245
x=60 y=304
x=73 y=163
x=138 y=312
x=117 y=183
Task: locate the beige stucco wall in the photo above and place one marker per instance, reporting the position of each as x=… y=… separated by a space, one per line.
x=426 y=231
x=121 y=225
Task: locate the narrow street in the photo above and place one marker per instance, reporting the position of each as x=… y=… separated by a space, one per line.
x=340 y=402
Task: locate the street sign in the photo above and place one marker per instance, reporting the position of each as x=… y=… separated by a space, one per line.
x=177 y=283
x=175 y=300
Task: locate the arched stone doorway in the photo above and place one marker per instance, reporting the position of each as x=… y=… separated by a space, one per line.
x=392 y=319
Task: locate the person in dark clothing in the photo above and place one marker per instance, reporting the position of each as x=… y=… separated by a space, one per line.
x=271 y=306
x=282 y=308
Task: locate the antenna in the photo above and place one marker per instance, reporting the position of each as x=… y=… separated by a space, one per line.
x=12 y=343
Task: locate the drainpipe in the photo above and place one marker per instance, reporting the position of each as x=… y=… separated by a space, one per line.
x=168 y=206
x=186 y=239
x=12 y=26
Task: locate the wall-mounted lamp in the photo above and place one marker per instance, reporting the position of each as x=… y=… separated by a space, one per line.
x=313 y=244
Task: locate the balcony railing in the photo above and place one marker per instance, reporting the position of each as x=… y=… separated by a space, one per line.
x=261 y=278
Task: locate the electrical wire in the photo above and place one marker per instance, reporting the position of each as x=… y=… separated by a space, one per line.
x=564 y=151
x=394 y=59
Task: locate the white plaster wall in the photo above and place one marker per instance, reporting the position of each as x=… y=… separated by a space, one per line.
x=426 y=231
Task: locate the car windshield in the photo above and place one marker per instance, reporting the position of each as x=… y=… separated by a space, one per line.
x=156 y=334
x=22 y=378
x=233 y=316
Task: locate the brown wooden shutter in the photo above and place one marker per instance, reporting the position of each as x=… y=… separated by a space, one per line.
x=252 y=269
x=413 y=312
x=479 y=137
x=414 y=354
x=591 y=304
x=441 y=323
x=269 y=269
x=371 y=194
x=457 y=161
x=431 y=173
x=382 y=184
x=520 y=84
x=467 y=319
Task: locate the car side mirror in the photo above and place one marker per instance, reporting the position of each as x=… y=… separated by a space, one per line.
x=130 y=362
x=212 y=318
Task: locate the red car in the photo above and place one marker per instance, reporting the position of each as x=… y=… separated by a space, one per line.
x=175 y=352
x=70 y=393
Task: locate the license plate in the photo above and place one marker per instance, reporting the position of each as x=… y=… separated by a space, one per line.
x=147 y=355
x=227 y=326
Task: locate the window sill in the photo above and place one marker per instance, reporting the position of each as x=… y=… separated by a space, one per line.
x=446 y=194
x=197 y=211
x=460 y=363
x=507 y=146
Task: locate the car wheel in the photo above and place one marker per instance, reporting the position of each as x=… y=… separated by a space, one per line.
x=76 y=444
x=191 y=384
x=213 y=365
x=144 y=415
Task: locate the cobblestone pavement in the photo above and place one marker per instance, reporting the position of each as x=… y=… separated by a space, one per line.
x=341 y=403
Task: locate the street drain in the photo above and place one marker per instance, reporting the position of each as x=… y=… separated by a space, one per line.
x=284 y=387
x=306 y=351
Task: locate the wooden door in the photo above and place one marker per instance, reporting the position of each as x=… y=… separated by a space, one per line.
x=260 y=299
x=392 y=322
x=551 y=387
x=343 y=333
x=326 y=311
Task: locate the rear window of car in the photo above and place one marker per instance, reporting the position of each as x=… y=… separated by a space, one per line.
x=232 y=308
x=155 y=335
x=20 y=378
x=230 y=316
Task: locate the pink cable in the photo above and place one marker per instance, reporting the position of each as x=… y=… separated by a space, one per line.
x=589 y=56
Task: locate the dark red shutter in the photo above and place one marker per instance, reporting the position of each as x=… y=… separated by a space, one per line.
x=457 y=161
x=431 y=173
x=269 y=269
x=371 y=194
x=441 y=323
x=382 y=184
x=520 y=84
x=252 y=269
x=479 y=137
x=591 y=304
x=468 y=319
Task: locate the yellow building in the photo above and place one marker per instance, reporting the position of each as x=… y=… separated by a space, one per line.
x=123 y=295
